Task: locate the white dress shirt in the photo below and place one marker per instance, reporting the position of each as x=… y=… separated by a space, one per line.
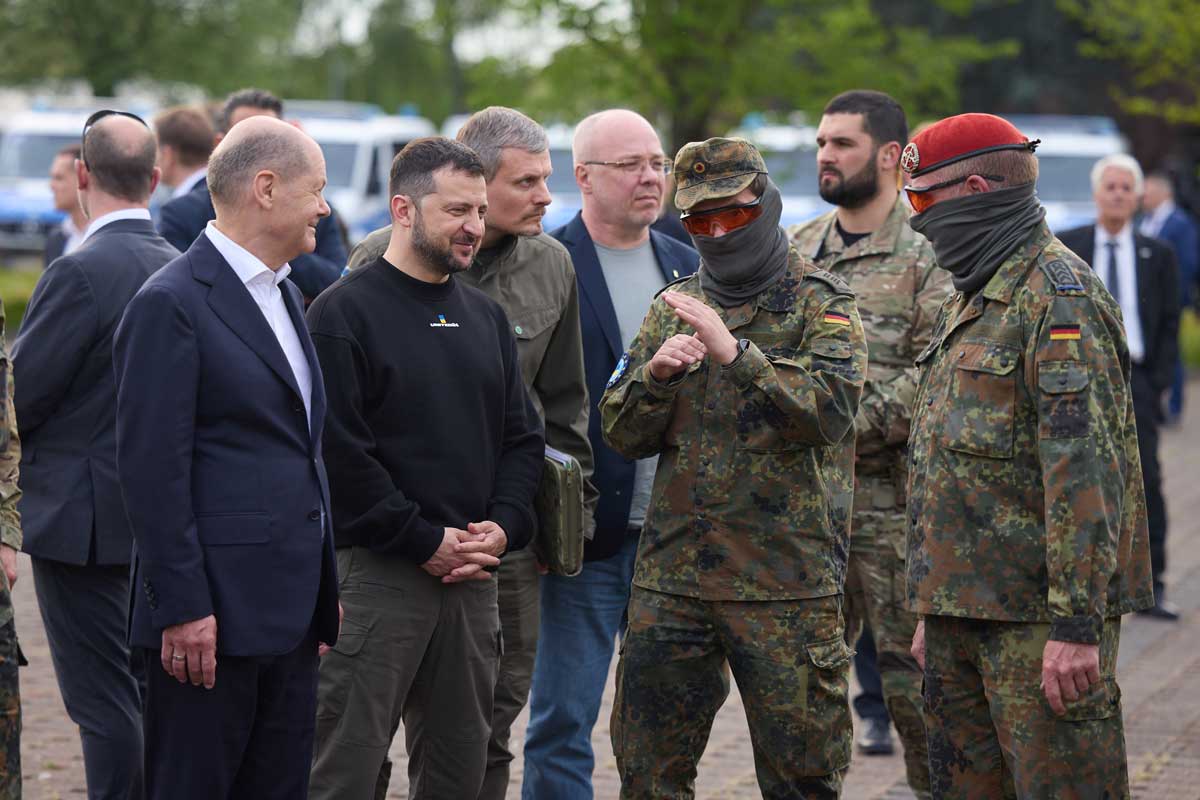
x=263 y=286
x=189 y=182
x=1124 y=272
x=74 y=236
x=113 y=216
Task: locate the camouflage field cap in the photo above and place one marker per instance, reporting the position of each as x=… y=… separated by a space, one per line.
x=715 y=168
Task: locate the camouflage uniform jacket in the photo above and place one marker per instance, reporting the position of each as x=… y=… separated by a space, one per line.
x=752 y=495
x=533 y=280
x=1025 y=485
x=899 y=290
x=10 y=460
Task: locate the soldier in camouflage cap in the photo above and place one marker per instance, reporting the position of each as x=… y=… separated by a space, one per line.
x=745 y=380
x=867 y=242
x=10 y=544
x=1027 y=532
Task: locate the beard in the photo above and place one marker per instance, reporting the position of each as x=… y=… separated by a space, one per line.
x=438 y=257
x=856 y=190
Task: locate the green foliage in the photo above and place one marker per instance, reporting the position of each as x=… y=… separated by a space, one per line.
x=16 y=287
x=1189 y=338
x=699 y=65
x=1159 y=40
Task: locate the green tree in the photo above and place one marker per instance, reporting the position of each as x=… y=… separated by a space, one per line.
x=1159 y=40
x=699 y=65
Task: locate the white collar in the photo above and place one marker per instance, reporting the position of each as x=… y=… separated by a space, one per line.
x=189 y=183
x=1120 y=237
x=114 y=216
x=244 y=263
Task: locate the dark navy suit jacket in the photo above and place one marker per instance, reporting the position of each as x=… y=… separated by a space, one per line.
x=71 y=506
x=613 y=475
x=182 y=219
x=1181 y=233
x=221 y=470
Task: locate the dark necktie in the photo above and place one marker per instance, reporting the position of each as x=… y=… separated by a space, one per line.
x=1114 y=275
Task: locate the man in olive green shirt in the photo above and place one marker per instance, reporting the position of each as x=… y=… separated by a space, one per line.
x=530 y=275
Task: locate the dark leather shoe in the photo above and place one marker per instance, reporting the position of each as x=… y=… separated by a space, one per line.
x=1168 y=612
x=876 y=739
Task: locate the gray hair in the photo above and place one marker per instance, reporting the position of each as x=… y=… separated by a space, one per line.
x=494 y=128
x=233 y=166
x=1120 y=161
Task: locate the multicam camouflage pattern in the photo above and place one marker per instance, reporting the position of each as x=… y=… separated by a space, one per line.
x=10 y=534
x=1011 y=744
x=791 y=663
x=714 y=168
x=899 y=291
x=1025 y=486
x=752 y=496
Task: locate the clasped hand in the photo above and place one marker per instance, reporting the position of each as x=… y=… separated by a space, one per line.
x=681 y=350
x=463 y=555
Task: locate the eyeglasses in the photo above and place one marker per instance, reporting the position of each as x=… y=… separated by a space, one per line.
x=920 y=200
x=93 y=119
x=729 y=218
x=635 y=166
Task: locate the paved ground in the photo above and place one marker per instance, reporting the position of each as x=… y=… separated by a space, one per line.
x=1159 y=673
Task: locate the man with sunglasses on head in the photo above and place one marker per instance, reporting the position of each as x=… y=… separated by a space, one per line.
x=745 y=380
x=75 y=522
x=1027 y=535
x=867 y=242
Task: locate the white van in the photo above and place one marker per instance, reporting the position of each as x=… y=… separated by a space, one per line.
x=358 y=160
x=31 y=141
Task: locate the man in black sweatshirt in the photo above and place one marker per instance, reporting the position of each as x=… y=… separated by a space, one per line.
x=434 y=451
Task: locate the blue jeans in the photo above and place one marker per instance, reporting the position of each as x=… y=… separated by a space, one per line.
x=581 y=618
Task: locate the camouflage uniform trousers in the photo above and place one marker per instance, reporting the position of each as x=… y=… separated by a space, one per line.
x=791 y=663
x=10 y=702
x=875 y=595
x=992 y=733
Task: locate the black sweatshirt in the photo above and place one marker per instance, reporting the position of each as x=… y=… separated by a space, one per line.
x=429 y=422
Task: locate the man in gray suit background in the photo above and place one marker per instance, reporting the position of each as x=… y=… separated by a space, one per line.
x=76 y=528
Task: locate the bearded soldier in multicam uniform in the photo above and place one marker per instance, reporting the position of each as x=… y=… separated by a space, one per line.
x=10 y=544
x=867 y=242
x=745 y=379
x=1027 y=537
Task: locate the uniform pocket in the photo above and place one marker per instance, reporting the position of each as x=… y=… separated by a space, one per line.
x=830 y=730
x=981 y=411
x=1101 y=702
x=1063 y=400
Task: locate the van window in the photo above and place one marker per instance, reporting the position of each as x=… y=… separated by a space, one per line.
x=29 y=155
x=339 y=163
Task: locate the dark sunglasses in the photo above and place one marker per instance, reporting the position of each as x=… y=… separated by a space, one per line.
x=730 y=218
x=920 y=200
x=93 y=119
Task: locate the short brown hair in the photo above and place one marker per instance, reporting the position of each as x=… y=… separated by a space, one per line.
x=413 y=167
x=1016 y=166
x=189 y=131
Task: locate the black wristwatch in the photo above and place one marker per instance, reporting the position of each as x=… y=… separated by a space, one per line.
x=743 y=346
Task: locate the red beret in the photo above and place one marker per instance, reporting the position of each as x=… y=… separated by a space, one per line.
x=959 y=137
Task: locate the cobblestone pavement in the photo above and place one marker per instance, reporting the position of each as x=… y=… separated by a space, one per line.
x=1159 y=673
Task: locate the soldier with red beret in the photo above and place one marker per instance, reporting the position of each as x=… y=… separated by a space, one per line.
x=1027 y=533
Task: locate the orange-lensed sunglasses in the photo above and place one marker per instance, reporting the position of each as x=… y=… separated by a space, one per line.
x=920 y=200
x=729 y=218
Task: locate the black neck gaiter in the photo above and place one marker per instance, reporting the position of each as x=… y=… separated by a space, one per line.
x=736 y=267
x=973 y=234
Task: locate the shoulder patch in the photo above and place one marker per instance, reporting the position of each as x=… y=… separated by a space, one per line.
x=675 y=282
x=619 y=372
x=833 y=281
x=1062 y=277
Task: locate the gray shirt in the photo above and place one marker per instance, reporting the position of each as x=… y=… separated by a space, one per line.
x=633 y=278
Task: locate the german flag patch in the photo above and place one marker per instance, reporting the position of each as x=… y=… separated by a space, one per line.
x=1060 y=332
x=834 y=318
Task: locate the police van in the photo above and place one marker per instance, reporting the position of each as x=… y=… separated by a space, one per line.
x=30 y=142
x=359 y=145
